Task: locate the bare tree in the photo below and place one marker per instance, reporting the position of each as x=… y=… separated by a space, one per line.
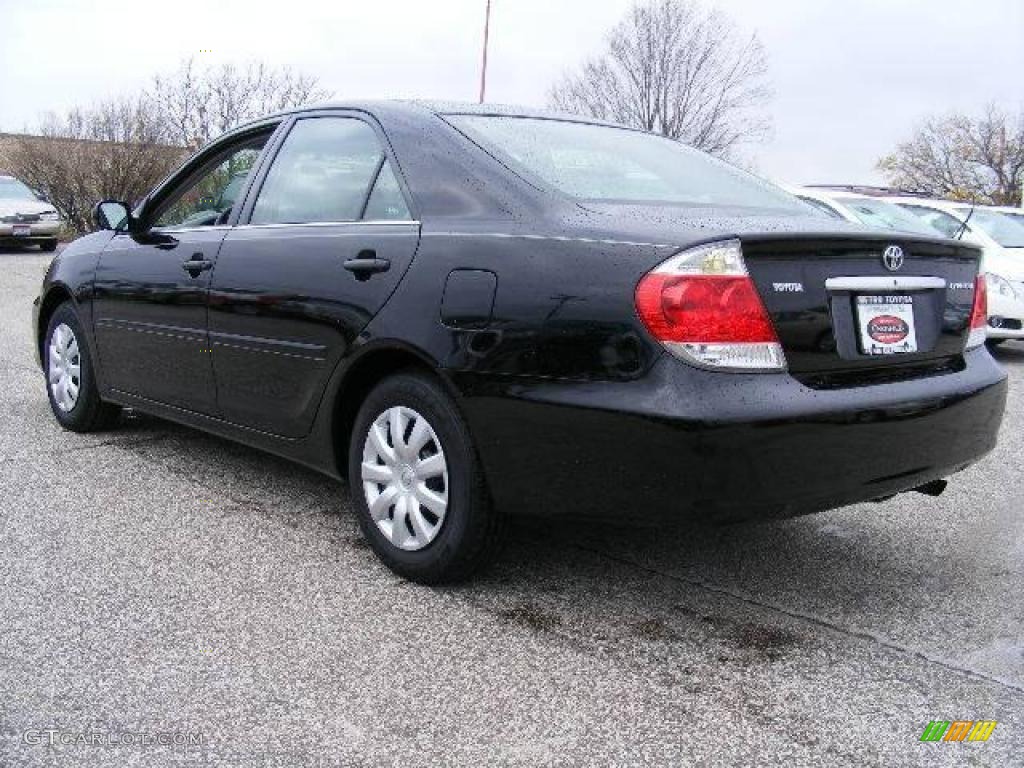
x=121 y=148
x=675 y=68
x=959 y=157
x=114 y=149
x=197 y=104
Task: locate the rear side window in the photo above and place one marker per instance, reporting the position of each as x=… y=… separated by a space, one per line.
x=322 y=173
x=386 y=202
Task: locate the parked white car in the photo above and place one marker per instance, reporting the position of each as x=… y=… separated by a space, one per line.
x=1002 y=240
x=24 y=218
x=863 y=209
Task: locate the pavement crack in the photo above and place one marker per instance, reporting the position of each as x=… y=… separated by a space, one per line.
x=808 y=618
x=121 y=442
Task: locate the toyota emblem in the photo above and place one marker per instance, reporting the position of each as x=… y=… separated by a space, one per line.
x=892 y=257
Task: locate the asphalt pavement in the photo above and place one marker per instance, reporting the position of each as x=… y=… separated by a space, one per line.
x=171 y=598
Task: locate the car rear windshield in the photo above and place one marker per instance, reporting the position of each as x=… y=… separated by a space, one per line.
x=12 y=189
x=597 y=162
x=1000 y=227
x=878 y=213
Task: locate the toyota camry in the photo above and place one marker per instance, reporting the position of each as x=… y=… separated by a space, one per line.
x=469 y=313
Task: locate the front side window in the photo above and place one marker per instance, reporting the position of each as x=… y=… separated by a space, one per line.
x=323 y=173
x=209 y=199
x=605 y=163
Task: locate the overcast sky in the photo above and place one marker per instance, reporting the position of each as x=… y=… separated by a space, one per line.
x=851 y=77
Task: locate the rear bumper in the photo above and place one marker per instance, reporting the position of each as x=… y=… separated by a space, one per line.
x=724 y=447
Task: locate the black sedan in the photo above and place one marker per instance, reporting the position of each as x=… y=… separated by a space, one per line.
x=472 y=312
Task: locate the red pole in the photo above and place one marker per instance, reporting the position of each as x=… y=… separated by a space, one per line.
x=483 y=67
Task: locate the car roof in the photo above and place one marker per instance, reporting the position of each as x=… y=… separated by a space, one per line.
x=929 y=202
x=828 y=194
x=413 y=108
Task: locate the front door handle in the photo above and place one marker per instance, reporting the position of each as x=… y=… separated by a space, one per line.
x=366 y=264
x=196 y=264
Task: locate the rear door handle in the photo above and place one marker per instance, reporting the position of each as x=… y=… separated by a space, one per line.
x=366 y=264
x=196 y=264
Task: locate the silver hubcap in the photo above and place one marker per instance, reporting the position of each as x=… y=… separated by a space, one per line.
x=64 y=367
x=405 y=478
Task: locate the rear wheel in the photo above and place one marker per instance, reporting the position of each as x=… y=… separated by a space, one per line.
x=993 y=343
x=48 y=245
x=70 y=376
x=416 y=483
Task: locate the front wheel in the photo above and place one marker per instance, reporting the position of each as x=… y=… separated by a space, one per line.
x=70 y=376
x=416 y=483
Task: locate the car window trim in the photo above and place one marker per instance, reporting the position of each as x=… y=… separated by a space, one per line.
x=193 y=169
x=348 y=223
x=285 y=129
x=373 y=185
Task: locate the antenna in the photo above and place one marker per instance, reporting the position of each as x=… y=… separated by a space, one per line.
x=483 y=66
x=963 y=225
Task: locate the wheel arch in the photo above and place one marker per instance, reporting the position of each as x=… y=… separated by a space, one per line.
x=359 y=378
x=56 y=295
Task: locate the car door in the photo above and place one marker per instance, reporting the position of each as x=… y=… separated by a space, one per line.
x=328 y=234
x=150 y=293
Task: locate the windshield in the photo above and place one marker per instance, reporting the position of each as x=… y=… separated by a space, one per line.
x=1000 y=227
x=13 y=189
x=823 y=207
x=878 y=213
x=597 y=162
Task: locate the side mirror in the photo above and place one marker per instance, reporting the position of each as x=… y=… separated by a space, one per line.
x=111 y=214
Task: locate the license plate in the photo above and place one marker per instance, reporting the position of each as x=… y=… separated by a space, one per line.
x=22 y=230
x=886 y=325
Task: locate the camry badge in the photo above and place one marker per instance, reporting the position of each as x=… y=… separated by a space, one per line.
x=892 y=258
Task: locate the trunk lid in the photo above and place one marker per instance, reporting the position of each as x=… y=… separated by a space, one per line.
x=842 y=310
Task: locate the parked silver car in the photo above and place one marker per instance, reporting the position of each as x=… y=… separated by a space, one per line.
x=24 y=218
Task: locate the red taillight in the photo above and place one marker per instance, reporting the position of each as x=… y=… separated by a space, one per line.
x=979 y=313
x=702 y=305
x=703 y=308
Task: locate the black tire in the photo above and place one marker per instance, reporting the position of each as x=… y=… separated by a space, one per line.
x=993 y=343
x=472 y=529
x=89 y=413
x=48 y=245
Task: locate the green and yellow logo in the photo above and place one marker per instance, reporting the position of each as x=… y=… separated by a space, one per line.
x=958 y=730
